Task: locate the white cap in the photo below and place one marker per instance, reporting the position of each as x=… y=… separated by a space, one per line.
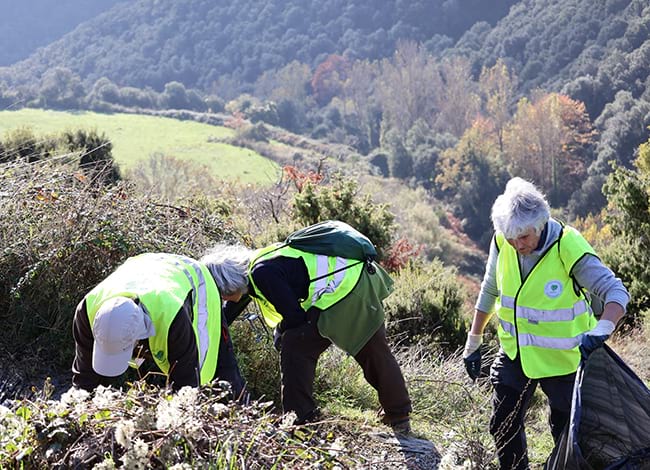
x=119 y=324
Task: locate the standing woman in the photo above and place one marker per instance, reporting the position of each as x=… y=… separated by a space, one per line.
x=535 y=281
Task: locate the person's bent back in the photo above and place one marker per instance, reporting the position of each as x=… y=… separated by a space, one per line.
x=156 y=306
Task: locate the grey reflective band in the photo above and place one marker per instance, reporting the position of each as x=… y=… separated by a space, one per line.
x=200 y=296
x=549 y=343
x=323 y=284
x=527 y=339
x=562 y=314
x=507 y=301
x=507 y=327
x=537 y=315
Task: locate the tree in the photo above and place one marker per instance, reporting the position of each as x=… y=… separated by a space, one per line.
x=359 y=91
x=548 y=142
x=628 y=215
x=400 y=160
x=341 y=200
x=457 y=102
x=470 y=176
x=498 y=88
x=328 y=78
x=407 y=88
x=61 y=89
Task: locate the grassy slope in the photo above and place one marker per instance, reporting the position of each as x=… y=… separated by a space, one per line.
x=136 y=137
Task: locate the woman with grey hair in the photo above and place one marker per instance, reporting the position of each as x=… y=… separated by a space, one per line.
x=538 y=275
x=312 y=307
x=229 y=267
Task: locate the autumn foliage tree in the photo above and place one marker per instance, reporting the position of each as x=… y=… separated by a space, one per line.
x=329 y=78
x=498 y=86
x=548 y=142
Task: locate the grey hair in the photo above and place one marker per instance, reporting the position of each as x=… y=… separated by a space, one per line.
x=521 y=207
x=228 y=265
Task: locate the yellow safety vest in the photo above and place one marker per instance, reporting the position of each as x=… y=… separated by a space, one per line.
x=331 y=279
x=161 y=282
x=543 y=317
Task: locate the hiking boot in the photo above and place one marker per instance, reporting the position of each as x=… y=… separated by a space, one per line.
x=313 y=415
x=400 y=425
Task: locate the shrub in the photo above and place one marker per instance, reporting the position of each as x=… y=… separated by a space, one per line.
x=426 y=307
x=340 y=201
x=61 y=234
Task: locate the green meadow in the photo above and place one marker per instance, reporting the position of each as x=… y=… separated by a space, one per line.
x=136 y=137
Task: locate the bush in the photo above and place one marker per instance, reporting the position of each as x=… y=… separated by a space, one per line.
x=628 y=193
x=426 y=307
x=61 y=234
x=22 y=144
x=340 y=201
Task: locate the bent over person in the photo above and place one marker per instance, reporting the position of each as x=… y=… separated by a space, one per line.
x=312 y=302
x=157 y=306
x=537 y=275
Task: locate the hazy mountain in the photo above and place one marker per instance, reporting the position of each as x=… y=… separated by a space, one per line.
x=28 y=24
x=198 y=42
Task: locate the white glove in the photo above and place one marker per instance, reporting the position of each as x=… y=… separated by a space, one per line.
x=602 y=328
x=472 y=344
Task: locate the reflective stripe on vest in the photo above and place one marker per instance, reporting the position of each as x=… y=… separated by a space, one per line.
x=200 y=300
x=162 y=281
x=331 y=279
x=542 y=318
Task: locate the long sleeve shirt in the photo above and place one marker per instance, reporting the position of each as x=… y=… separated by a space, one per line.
x=590 y=273
x=181 y=348
x=284 y=282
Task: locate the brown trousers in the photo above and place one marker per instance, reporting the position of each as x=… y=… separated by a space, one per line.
x=301 y=348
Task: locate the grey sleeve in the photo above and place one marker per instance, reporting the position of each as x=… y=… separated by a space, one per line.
x=488 y=295
x=600 y=281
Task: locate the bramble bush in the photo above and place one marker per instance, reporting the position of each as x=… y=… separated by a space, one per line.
x=62 y=233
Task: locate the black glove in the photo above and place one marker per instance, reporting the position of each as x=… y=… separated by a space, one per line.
x=473 y=364
x=595 y=338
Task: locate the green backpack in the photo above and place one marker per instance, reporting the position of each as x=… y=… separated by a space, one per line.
x=333 y=238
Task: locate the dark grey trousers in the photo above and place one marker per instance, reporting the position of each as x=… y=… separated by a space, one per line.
x=301 y=348
x=512 y=394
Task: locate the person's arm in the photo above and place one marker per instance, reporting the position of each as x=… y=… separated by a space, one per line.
x=83 y=374
x=482 y=313
x=599 y=280
x=283 y=281
x=231 y=310
x=592 y=275
x=182 y=350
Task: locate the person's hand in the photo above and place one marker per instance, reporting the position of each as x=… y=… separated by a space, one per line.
x=472 y=355
x=596 y=337
x=277 y=339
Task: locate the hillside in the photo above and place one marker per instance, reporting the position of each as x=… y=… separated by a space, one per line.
x=30 y=24
x=201 y=43
x=136 y=138
x=597 y=52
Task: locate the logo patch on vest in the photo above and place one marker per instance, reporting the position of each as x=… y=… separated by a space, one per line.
x=553 y=289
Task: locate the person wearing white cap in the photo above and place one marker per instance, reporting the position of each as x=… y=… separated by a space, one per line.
x=160 y=306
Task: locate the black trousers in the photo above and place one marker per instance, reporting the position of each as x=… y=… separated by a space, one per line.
x=301 y=348
x=512 y=394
